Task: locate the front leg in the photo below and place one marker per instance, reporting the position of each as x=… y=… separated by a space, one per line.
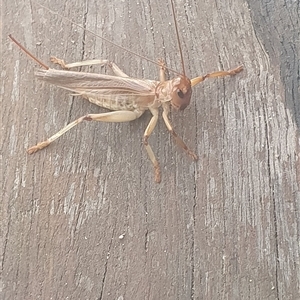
x=101 y=62
x=178 y=140
x=232 y=72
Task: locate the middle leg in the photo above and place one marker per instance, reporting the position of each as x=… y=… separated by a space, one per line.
x=178 y=140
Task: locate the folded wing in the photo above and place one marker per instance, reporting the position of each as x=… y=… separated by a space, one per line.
x=103 y=90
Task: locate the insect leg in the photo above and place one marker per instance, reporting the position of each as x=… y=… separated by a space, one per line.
x=178 y=140
x=102 y=62
x=148 y=148
x=162 y=73
x=115 y=116
x=232 y=72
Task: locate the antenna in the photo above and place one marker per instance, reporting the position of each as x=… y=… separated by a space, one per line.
x=28 y=53
x=105 y=39
x=178 y=39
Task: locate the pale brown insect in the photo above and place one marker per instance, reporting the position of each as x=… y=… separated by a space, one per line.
x=127 y=97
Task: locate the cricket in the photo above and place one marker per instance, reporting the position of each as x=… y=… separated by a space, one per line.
x=127 y=98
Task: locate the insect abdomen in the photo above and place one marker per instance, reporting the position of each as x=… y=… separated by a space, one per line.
x=113 y=102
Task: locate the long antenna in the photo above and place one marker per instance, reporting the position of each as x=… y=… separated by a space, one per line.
x=28 y=53
x=178 y=39
x=105 y=39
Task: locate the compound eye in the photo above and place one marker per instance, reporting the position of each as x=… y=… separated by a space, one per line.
x=180 y=93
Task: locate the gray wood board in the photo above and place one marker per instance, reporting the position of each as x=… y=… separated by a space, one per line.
x=84 y=219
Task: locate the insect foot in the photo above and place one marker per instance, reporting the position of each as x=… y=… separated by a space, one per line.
x=38 y=147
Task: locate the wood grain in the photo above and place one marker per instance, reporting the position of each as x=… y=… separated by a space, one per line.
x=84 y=219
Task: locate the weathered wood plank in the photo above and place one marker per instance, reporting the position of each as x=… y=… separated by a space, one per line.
x=226 y=227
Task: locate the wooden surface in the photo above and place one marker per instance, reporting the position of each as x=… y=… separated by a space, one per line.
x=84 y=219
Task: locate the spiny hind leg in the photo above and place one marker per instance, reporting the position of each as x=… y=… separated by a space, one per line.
x=115 y=116
x=101 y=62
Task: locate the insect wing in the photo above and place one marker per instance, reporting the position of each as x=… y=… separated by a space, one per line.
x=91 y=85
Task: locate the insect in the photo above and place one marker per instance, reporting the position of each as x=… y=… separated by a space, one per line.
x=127 y=98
